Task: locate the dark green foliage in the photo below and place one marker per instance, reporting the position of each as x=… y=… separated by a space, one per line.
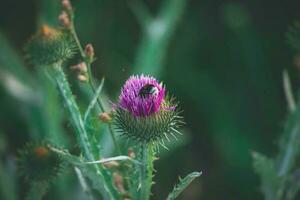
x=278 y=178
x=50 y=45
x=37 y=162
x=152 y=129
x=293 y=36
x=270 y=185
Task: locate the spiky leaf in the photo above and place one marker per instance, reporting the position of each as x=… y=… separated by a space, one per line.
x=293 y=36
x=183 y=183
x=270 y=181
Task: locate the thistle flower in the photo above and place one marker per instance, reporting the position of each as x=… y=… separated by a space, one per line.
x=144 y=113
x=142 y=96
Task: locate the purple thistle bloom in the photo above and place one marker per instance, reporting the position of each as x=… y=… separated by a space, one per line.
x=142 y=96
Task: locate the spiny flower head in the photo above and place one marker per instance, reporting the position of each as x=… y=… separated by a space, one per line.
x=144 y=112
x=50 y=45
x=142 y=96
x=37 y=162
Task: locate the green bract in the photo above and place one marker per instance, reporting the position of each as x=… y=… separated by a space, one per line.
x=50 y=45
x=151 y=129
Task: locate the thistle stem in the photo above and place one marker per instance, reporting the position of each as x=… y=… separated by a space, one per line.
x=146 y=158
x=109 y=191
x=91 y=82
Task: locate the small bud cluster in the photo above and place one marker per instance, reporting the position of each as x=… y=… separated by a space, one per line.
x=64 y=20
x=89 y=52
x=82 y=71
x=66 y=5
x=65 y=17
x=105 y=117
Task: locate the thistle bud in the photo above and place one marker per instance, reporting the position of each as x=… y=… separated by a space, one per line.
x=82 y=77
x=50 y=45
x=105 y=117
x=37 y=162
x=81 y=67
x=131 y=153
x=118 y=181
x=64 y=19
x=66 y=5
x=89 y=51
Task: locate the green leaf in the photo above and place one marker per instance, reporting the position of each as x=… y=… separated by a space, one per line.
x=270 y=181
x=292 y=185
x=293 y=36
x=84 y=184
x=287 y=86
x=183 y=183
x=93 y=102
x=158 y=33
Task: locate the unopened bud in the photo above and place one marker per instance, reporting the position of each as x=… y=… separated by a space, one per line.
x=118 y=181
x=64 y=19
x=112 y=164
x=131 y=153
x=89 y=51
x=66 y=5
x=105 y=117
x=82 y=77
x=80 y=66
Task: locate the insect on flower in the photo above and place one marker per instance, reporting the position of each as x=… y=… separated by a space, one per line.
x=147 y=90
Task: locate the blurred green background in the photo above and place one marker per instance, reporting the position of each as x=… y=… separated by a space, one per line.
x=223 y=60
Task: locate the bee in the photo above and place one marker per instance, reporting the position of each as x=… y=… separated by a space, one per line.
x=147 y=90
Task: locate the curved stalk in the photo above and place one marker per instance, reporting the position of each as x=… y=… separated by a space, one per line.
x=91 y=81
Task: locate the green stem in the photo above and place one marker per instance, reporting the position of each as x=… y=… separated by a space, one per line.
x=66 y=92
x=92 y=83
x=109 y=191
x=146 y=171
